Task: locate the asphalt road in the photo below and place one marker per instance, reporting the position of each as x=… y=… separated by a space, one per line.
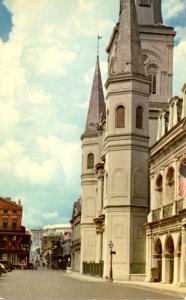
x=46 y=284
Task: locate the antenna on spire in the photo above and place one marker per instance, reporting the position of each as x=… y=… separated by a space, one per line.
x=99 y=37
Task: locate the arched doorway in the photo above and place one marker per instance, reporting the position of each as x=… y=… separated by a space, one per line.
x=158 y=258
x=169 y=247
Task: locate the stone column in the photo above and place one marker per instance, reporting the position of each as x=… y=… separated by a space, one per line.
x=148 y=257
x=183 y=254
x=175 y=113
x=99 y=246
x=153 y=203
x=176 y=266
x=165 y=268
x=100 y=191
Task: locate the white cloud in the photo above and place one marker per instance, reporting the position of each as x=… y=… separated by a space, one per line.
x=36 y=173
x=12 y=74
x=33 y=95
x=50 y=215
x=14 y=160
x=86 y=5
x=172 y=8
x=179 y=58
x=10 y=152
x=180 y=33
x=66 y=154
x=52 y=61
x=9 y=116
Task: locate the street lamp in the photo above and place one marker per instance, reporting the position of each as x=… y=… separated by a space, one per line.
x=111 y=253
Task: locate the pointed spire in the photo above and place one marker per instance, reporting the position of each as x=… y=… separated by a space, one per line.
x=128 y=55
x=96 y=104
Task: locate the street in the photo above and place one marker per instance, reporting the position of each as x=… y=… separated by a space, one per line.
x=46 y=284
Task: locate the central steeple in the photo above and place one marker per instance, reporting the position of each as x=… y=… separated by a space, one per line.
x=128 y=55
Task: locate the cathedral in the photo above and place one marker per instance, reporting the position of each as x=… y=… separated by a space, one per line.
x=132 y=213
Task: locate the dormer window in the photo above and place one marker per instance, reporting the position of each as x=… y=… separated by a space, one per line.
x=144 y=2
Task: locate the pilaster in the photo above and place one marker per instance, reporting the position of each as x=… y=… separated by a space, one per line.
x=165 y=268
x=183 y=254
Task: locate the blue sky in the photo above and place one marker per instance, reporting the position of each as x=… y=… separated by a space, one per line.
x=48 y=55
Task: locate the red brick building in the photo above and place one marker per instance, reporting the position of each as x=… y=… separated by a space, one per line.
x=14 y=240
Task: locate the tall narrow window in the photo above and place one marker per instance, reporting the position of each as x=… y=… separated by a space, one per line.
x=170 y=185
x=5 y=223
x=152 y=73
x=139 y=117
x=14 y=223
x=120 y=117
x=90 y=161
x=159 y=190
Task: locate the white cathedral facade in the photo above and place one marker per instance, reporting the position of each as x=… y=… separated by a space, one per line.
x=119 y=145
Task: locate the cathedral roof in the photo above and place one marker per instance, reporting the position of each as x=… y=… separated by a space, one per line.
x=128 y=55
x=96 y=104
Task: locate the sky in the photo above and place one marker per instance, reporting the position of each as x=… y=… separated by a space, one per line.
x=47 y=58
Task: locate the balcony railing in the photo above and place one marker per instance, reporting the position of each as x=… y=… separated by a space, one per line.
x=179 y=205
x=156 y=214
x=167 y=210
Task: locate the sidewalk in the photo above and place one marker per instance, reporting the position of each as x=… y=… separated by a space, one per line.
x=171 y=289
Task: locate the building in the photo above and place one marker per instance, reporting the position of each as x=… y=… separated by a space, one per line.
x=76 y=236
x=115 y=143
x=53 y=235
x=165 y=230
x=56 y=229
x=15 y=242
x=36 y=238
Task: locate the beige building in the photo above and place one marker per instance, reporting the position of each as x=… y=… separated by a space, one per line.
x=76 y=236
x=137 y=114
x=166 y=228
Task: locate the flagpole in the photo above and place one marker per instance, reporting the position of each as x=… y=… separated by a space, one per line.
x=99 y=37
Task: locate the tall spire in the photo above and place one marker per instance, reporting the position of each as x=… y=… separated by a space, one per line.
x=96 y=104
x=128 y=55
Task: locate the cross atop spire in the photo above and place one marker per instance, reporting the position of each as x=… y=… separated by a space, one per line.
x=99 y=37
x=128 y=55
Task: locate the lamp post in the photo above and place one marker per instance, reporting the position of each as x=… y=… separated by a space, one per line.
x=111 y=253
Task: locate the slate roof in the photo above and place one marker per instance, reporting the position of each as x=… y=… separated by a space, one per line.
x=96 y=104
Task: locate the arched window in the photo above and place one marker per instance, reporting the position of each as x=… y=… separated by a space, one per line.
x=120 y=117
x=170 y=185
x=90 y=161
x=159 y=190
x=152 y=74
x=139 y=117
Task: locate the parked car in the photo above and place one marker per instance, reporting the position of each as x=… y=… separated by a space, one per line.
x=6 y=266
x=8 y=263
x=2 y=268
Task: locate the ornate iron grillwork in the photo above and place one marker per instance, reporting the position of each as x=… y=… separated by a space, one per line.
x=156 y=215
x=179 y=205
x=167 y=210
